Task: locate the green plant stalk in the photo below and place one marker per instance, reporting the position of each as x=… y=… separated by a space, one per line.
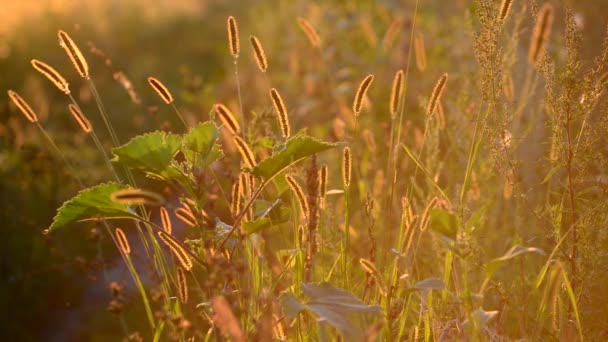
x=346 y=242
x=60 y=154
x=238 y=89
x=179 y=114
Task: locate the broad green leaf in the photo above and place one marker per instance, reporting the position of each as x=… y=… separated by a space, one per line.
x=257 y=225
x=151 y=152
x=493 y=265
x=89 y=204
x=337 y=307
x=202 y=137
x=430 y=284
x=443 y=222
x=294 y=150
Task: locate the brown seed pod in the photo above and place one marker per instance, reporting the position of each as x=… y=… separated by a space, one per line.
x=540 y=35
x=360 y=95
x=122 y=241
x=245 y=151
x=227 y=118
x=137 y=196
x=233 y=36
x=160 y=89
x=74 y=53
x=396 y=93
x=182 y=256
x=23 y=106
x=80 y=118
x=281 y=112
x=309 y=31
x=52 y=74
x=259 y=54
x=437 y=92
x=297 y=190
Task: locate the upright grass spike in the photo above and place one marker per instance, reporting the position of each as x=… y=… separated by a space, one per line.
x=72 y=50
x=360 y=95
x=165 y=220
x=237 y=189
x=505 y=7
x=396 y=91
x=420 y=51
x=182 y=285
x=227 y=118
x=297 y=190
x=259 y=54
x=23 y=106
x=80 y=118
x=436 y=95
x=281 y=112
x=161 y=90
x=323 y=175
x=233 y=36
x=122 y=241
x=137 y=196
x=540 y=35
x=245 y=151
x=52 y=74
x=347 y=165
x=310 y=32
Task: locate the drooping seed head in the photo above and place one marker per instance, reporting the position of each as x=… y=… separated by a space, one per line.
x=309 y=31
x=227 y=118
x=182 y=285
x=80 y=118
x=396 y=93
x=347 y=165
x=160 y=89
x=436 y=95
x=137 y=196
x=360 y=95
x=279 y=108
x=186 y=216
x=74 y=53
x=165 y=220
x=122 y=241
x=52 y=74
x=259 y=54
x=540 y=35
x=297 y=190
x=23 y=106
x=233 y=36
x=182 y=256
x=245 y=151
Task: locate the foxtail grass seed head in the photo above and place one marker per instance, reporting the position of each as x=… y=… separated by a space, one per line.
x=505 y=7
x=420 y=51
x=227 y=118
x=186 y=216
x=122 y=241
x=235 y=205
x=160 y=89
x=52 y=74
x=540 y=35
x=245 y=151
x=347 y=165
x=182 y=285
x=391 y=33
x=137 y=196
x=360 y=95
x=309 y=31
x=323 y=175
x=279 y=108
x=259 y=54
x=80 y=118
x=436 y=95
x=23 y=106
x=74 y=53
x=245 y=184
x=184 y=259
x=233 y=36
x=297 y=190
x=396 y=93
x=165 y=220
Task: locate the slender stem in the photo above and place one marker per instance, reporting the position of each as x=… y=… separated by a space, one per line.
x=179 y=114
x=238 y=89
x=60 y=154
x=346 y=246
x=102 y=111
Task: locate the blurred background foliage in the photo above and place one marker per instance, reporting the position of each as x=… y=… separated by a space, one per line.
x=51 y=287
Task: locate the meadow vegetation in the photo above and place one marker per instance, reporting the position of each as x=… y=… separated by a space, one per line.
x=343 y=170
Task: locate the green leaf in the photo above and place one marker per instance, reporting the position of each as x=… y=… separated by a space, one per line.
x=202 y=137
x=551 y=173
x=257 y=225
x=493 y=265
x=443 y=222
x=430 y=284
x=151 y=152
x=294 y=150
x=89 y=204
x=337 y=307
x=426 y=173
